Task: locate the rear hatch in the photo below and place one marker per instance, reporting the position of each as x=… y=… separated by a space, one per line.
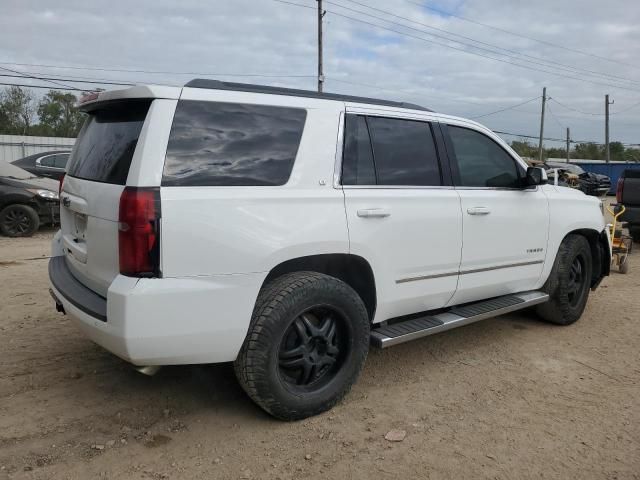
x=96 y=176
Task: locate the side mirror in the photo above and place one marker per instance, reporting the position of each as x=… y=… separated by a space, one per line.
x=535 y=176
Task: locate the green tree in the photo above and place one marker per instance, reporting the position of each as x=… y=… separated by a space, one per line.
x=632 y=155
x=524 y=148
x=17 y=111
x=590 y=151
x=616 y=150
x=556 y=152
x=58 y=115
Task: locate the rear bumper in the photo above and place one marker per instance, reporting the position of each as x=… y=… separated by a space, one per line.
x=162 y=321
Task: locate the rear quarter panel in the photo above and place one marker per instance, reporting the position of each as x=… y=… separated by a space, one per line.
x=230 y=230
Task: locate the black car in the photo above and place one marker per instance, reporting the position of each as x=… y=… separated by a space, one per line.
x=45 y=164
x=590 y=183
x=26 y=201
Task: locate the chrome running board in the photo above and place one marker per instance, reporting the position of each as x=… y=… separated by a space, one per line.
x=406 y=330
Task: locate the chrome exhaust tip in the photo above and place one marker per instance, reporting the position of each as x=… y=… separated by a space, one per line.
x=149 y=370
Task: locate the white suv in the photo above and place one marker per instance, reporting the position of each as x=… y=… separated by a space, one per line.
x=286 y=231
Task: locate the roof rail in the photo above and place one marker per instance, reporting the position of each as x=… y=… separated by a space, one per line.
x=294 y=92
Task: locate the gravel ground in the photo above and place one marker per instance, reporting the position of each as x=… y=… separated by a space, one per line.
x=507 y=398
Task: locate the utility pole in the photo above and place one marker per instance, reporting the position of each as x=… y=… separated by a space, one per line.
x=568 y=144
x=320 y=73
x=607 y=153
x=544 y=101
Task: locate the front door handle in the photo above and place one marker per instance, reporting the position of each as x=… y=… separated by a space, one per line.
x=478 y=211
x=374 y=212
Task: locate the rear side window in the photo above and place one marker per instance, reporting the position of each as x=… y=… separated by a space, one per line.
x=47 y=161
x=60 y=160
x=481 y=161
x=105 y=145
x=357 y=162
x=232 y=144
x=389 y=151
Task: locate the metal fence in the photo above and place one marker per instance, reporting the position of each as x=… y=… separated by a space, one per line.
x=13 y=147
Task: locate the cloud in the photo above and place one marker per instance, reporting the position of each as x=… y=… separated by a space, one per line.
x=266 y=37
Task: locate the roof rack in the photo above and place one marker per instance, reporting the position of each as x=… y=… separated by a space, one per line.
x=248 y=87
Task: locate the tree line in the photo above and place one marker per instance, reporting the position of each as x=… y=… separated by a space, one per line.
x=54 y=115
x=590 y=151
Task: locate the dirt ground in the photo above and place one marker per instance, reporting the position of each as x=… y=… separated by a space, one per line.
x=508 y=398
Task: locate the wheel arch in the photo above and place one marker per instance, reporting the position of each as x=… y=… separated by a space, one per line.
x=600 y=252
x=354 y=270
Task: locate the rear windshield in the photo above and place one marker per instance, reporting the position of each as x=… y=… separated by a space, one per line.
x=232 y=144
x=105 y=145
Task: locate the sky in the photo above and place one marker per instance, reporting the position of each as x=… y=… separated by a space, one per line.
x=434 y=53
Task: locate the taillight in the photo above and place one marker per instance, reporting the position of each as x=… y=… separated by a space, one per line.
x=139 y=232
x=61 y=184
x=619 y=189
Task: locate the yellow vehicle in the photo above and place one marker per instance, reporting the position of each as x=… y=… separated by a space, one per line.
x=621 y=243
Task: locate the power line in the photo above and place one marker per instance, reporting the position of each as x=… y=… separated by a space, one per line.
x=48 y=87
x=161 y=72
x=552 y=139
x=37 y=78
x=546 y=62
x=553 y=116
x=460 y=49
x=625 y=109
x=575 y=109
x=69 y=80
x=396 y=90
x=506 y=108
x=545 y=42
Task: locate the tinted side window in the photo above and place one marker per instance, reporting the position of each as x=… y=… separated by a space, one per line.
x=47 y=161
x=357 y=159
x=481 y=161
x=231 y=144
x=60 y=160
x=404 y=152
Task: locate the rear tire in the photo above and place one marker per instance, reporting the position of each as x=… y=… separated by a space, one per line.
x=306 y=345
x=19 y=220
x=569 y=282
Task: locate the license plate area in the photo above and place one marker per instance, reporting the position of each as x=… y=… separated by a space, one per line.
x=80 y=225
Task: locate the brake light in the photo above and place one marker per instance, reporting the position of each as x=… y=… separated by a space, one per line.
x=139 y=232
x=60 y=184
x=619 y=189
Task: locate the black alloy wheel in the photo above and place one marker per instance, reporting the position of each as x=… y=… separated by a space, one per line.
x=310 y=351
x=18 y=221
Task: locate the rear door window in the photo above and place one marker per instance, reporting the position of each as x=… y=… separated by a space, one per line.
x=232 y=144
x=389 y=151
x=106 y=143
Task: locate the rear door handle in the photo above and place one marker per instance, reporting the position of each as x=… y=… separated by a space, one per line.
x=374 y=212
x=478 y=211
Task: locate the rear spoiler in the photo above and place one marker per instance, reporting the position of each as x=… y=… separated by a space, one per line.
x=90 y=101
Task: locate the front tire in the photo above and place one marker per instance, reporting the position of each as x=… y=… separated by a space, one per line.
x=307 y=343
x=19 y=220
x=569 y=282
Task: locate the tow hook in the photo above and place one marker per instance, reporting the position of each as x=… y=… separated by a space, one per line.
x=59 y=306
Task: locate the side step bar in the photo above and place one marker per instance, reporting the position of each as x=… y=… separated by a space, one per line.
x=407 y=330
